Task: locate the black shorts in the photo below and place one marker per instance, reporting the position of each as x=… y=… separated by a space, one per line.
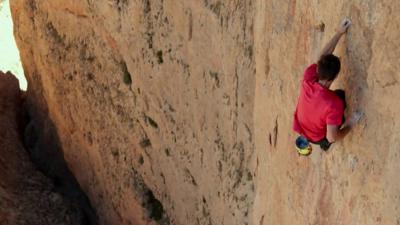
x=324 y=144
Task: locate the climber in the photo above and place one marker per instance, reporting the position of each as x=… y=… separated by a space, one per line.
x=319 y=116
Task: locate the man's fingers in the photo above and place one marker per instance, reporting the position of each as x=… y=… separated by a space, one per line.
x=346 y=23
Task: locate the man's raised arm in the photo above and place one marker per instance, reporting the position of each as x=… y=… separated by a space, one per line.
x=331 y=45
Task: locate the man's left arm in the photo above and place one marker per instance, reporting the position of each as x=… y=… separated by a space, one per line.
x=335 y=133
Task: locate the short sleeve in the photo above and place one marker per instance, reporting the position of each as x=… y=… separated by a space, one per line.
x=335 y=114
x=310 y=74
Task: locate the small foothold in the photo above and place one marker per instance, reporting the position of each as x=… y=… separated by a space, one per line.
x=321 y=27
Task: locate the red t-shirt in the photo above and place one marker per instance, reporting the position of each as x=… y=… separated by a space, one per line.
x=317 y=107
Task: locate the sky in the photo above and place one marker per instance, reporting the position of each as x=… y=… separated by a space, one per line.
x=9 y=54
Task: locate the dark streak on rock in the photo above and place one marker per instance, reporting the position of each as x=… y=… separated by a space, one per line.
x=141 y=160
x=239 y=172
x=249 y=131
x=220 y=167
x=52 y=32
x=190 y=25
x=160 y=59
x=249 y=51
x=270 y=139
x=215 y=7
x=148 y=200
x=145 y=142
x=262 y=220
x=190 y=176
x=151 y=122
x=276 y=132
x=126 y=76
x=163 y=178
x=167 y=152
x=147 y=6
x=201 y=156
x=215 y=76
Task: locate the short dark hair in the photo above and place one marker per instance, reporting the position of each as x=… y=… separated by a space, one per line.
x=328 y=67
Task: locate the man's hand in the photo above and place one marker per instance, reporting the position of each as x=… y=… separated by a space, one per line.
x=344 y=26
x=335 y=133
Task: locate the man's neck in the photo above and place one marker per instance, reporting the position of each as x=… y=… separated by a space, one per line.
x=325 y=83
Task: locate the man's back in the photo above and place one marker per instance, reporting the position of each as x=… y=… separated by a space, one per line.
x=317 y=107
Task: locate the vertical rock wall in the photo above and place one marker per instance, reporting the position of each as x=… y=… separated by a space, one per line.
x=177 y=111
x=150 y=98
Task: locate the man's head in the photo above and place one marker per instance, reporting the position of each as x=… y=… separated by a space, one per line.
x=328 y=67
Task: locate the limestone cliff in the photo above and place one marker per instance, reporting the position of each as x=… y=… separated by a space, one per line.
x=179 y=111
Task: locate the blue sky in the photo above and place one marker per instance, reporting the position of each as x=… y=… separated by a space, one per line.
x=9 y=55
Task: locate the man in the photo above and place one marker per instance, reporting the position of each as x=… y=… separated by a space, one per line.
x=319 y=114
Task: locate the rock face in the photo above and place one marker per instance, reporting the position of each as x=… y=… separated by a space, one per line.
x=180 y=111
x=26 y=196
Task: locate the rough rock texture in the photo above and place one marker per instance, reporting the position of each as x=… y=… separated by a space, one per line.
x=148 y=96
x=179 y=111
x=26 y=196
